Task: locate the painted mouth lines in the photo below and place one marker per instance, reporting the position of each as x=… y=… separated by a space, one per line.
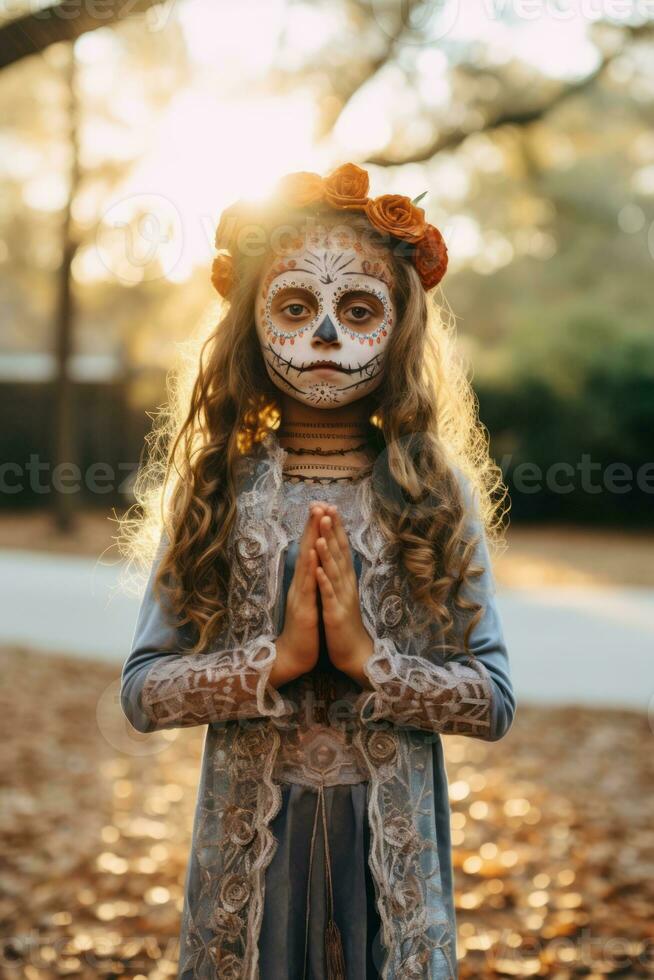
x=316 y=365
x=340 y=390
x=336 y=389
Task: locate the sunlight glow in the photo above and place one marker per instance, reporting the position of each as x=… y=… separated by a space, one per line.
x=215 y=34
x=223 y=135
x=207 y=153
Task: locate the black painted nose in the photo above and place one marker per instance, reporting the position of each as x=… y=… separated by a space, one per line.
x=326 y=331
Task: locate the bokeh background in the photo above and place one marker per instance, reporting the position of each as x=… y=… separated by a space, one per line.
x=127 y=127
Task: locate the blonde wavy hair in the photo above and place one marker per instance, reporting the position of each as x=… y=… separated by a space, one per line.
x=220 y=403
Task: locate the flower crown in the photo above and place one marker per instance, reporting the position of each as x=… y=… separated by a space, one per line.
x=347 y=188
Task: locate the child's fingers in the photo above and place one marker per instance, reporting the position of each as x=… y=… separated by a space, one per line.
x=306 y=558
x=308 y=576
x=327 y=593
x=340 y=532
x=338 y=542
x=316 y=512
x=306 y=542
x=318 y=505
x=328 y=560
x=327 y=532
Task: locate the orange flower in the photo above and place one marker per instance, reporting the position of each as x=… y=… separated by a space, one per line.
x=222 y=274
x=347 y=187
x=431 y=257
x=301 y=188
x=396 y=215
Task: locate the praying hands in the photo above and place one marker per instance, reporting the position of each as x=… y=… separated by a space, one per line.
x=349 y=643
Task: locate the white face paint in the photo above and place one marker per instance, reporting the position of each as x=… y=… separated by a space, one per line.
x=327 y=301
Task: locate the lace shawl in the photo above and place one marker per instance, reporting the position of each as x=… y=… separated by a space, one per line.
x=416 y=695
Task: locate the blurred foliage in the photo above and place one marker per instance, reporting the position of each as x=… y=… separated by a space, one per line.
x=581 y=388
x=542 y=185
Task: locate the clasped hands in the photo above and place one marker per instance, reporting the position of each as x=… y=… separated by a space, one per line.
x=323 y=567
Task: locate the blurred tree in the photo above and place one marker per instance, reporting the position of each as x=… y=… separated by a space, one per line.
x=64 y=322
x=544 y=180
x=374 y=41
x=36 y=30
x=50 y=208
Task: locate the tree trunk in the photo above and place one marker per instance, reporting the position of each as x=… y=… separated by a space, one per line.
x=64 y=438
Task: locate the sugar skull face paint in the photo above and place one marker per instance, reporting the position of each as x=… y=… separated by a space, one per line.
x=330 y=301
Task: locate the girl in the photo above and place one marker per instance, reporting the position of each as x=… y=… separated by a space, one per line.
x=322 y=596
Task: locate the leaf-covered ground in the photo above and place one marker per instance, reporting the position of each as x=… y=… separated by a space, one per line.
x=552 y=829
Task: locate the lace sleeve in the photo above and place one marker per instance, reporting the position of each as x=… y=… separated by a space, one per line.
x=163 y=688
x=467 y=694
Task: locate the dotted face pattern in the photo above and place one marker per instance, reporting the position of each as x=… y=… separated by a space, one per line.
x=326 y=276
x=277 y=334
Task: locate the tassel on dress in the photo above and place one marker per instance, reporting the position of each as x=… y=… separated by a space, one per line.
x=334 y=956
x=334 y=952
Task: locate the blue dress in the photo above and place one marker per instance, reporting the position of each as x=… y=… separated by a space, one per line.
x=158 y=691
x=294 y=923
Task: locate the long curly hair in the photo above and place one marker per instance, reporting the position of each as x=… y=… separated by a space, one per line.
x=423 y=424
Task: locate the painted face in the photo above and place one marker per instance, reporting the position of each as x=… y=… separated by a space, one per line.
x=331 y=300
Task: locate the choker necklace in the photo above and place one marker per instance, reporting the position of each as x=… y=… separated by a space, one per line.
x=325 y=452
x=326 y=425
x=320 y=435
x=321 y=466
x=321 y=480
x=330 y=432
x=356 y=473
x=315 y=432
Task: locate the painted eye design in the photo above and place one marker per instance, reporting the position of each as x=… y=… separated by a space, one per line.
x=296 y=310
x=357 y=313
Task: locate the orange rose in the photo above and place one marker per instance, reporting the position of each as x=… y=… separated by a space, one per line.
x=431 y=257
x=222 y=274
x=301 y=188
x=347 y=187
x=394 y=214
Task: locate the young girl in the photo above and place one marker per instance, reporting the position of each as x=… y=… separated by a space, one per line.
x=322 y=596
